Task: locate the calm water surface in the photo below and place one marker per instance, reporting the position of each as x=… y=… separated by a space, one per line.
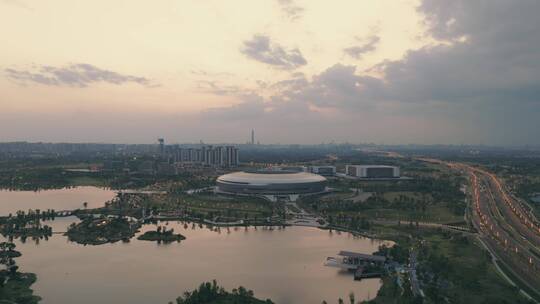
x=59 y=199
x=285 y=265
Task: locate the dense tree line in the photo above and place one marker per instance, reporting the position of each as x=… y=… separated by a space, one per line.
x=212 y=293
x=397 y=252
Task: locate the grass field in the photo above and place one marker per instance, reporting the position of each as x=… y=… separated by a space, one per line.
x=472 y=276
x=434 y=214
x=398 y=205
x=391 y=196
x=87 y=181
x=222 y=205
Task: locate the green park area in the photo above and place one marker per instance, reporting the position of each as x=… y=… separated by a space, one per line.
x=452 y=268
x=458 y=267
x=223 y=205
x=101 y=230
x=432 y=193
x=209 y=205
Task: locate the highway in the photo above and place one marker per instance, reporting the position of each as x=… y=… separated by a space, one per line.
x=505 y=225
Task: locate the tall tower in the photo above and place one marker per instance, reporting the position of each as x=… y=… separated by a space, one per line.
x=252 y=136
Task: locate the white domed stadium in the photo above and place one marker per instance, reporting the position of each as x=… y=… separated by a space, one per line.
x=271 y=183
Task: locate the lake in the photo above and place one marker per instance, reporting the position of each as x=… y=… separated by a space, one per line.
x=285 y=265
x=58 y=199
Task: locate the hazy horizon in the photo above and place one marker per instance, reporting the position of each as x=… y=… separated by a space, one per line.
x=217 y=143
x=296 y=71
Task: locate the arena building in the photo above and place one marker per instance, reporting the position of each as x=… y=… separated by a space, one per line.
x=271 y=183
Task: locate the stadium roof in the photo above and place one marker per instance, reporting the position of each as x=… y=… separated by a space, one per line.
x=271 y=177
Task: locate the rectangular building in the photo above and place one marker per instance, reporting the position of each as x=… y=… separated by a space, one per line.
x=323 y=170
x=372 y=171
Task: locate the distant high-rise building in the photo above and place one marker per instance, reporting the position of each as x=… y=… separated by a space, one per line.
x=208 y=155
x=218 y=156
x=192 y=155
x=161 y=146
x=252 y=136
x=231 y=156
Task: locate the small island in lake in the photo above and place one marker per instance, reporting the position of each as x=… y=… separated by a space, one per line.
x=162 y=235
x=102 y=230
x=23 y=225
x=14 y=285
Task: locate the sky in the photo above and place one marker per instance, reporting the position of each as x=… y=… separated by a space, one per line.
x=295 y=71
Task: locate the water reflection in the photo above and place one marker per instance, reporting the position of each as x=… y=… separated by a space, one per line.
x=58 y=199
x=279 y=263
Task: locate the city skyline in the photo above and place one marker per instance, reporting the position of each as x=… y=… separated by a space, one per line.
x=387 y=72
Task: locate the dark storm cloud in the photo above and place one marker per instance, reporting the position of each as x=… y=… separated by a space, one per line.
x=492 y=54
x=336 y=87
x=260 y=48
x=74 y=75
x=292 y=11
x=486 y=56
x=358 y=50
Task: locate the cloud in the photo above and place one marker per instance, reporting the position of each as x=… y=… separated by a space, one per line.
x=335 y=87
x=338 y=87
x=298 y=97
x=218 y=88
x=358 y=50
x=261 y=49
x=74 y=75
x=203 y=73
x=478 y=59
x=478 y=82
x=17 y=3
x=292 y=11
x=484 y=55
x=251 y=107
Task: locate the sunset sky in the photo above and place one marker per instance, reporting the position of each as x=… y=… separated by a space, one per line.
x=296 y=71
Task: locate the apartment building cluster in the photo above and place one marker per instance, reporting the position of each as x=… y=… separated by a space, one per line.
x=214 y=156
